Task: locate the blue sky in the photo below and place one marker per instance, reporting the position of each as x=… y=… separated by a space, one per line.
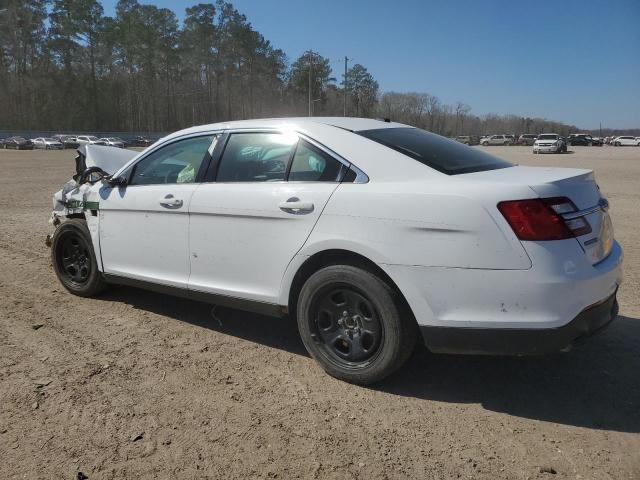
x=568 y=60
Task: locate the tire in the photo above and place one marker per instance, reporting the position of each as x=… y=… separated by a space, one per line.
x=352 y=323
x=485 y=144
x=74 y=260
x=617 y=144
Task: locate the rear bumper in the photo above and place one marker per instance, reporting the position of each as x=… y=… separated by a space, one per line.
x=511 y=341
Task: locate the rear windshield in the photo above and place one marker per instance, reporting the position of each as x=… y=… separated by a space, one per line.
x=440 y=153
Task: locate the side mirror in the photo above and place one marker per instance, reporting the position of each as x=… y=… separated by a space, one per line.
x=92 y=175
x=117 y=181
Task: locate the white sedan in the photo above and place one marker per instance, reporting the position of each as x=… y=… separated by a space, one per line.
x=47 y=143
x=113 y=142
x=626 y=141
x=371 y=234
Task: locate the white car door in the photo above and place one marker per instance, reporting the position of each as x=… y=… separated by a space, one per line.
x=144 y=226
x=247 y=225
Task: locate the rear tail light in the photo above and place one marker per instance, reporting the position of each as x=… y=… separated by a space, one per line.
x=541 y=219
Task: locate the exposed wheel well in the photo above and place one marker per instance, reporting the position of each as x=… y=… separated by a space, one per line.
x=339 y=257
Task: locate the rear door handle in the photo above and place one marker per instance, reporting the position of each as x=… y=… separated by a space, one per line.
x=169 y=201
x=296 y=207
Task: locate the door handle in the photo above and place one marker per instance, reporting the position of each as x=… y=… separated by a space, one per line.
x=169 y=201
x=296 y=207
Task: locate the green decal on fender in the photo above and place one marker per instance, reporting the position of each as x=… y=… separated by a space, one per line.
x=82 y=205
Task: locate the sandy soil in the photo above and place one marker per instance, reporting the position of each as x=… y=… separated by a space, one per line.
x=137 y=385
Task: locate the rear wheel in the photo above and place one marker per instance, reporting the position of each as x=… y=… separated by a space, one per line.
x=353 y=325
x=74 y=260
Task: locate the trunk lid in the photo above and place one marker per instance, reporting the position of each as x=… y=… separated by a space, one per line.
x=579 y=186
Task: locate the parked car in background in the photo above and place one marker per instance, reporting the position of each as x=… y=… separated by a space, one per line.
x=583 y=139
x=463 y=139
x=47 y=143
x=71 y=142
x=527 y=139
x=626 y=141
x=90 y=139
x=17 y=143
x=549 y=143
x=113 y=142
x=309 y=217
x=138 y=141
x=68 y=141
x=497 y=140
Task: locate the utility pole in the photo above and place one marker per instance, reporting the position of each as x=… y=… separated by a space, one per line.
x=310 y=101
x=344 y=112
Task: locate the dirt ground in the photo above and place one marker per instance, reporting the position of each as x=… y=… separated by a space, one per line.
x=136 y=385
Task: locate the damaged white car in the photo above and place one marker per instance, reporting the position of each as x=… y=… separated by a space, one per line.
x=372 y=234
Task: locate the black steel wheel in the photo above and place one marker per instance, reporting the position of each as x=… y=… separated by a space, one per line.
x=353 y=324
x=346 y=325
x=74 y=260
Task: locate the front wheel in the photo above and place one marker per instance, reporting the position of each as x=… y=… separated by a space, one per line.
x=485 y=144
x=74 y=260
x=353 y=324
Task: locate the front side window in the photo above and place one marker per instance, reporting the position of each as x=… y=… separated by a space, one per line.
x=310 y=164
x=178 y=162
x=446 y=156
x=256 y=157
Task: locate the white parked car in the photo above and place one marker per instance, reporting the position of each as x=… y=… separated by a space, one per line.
x=113 y=142
x=549 y=143
x=371 y=234
x=89 y=139
x=497 y=140
x=47 y=143
x=626 y=141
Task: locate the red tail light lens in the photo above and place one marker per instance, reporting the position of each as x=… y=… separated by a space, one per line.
x=538 y=219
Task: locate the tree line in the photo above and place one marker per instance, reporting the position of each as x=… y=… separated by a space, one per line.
x=65 y=66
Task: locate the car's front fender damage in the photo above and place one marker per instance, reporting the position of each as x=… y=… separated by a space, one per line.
x=82 y=200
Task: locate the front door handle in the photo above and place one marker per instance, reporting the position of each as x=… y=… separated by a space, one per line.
x=296 y=207
x=169 y=201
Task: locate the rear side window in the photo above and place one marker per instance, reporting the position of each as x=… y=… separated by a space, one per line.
x=310 y=164
x=446 y=156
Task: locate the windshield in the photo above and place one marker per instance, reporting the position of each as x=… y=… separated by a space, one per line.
x=93 y=138
x=548 y=137
x=440 y=153
x=49 y=140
